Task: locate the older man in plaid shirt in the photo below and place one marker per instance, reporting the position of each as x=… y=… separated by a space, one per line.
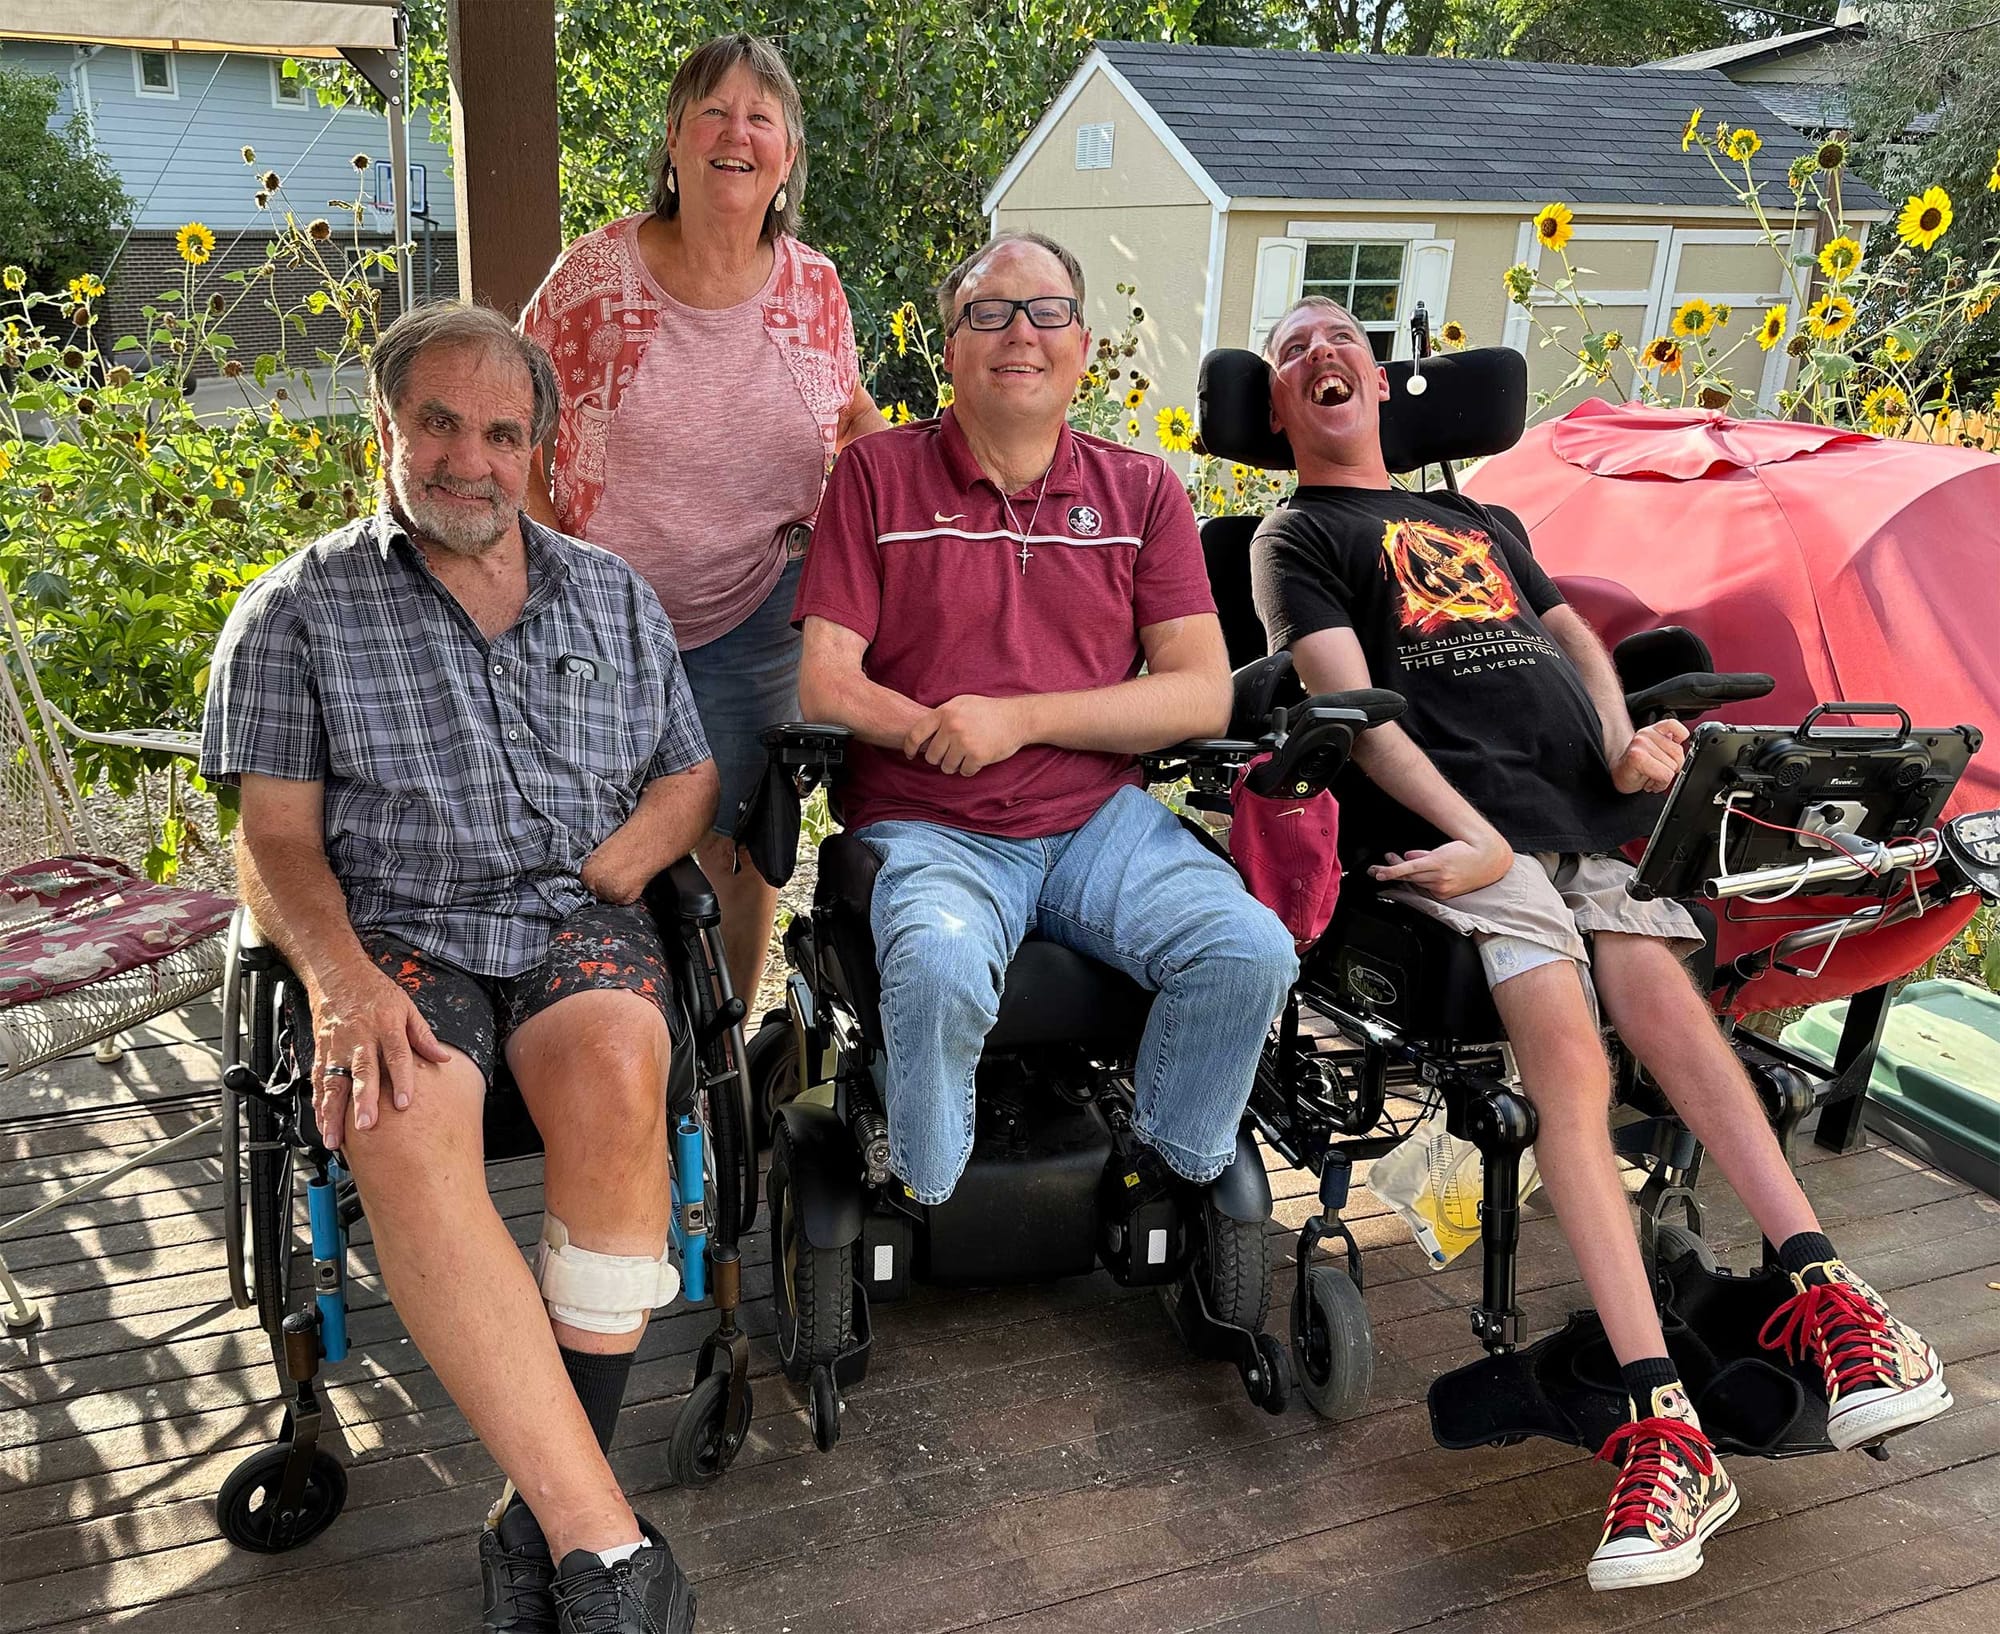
x=464 y=744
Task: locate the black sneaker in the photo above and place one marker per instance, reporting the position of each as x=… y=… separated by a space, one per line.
x=516 y=1575
x=647 y=1593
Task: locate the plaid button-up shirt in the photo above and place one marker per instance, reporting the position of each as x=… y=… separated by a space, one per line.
x=466 y=779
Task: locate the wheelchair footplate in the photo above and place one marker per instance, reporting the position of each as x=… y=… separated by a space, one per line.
x=1566 y=1386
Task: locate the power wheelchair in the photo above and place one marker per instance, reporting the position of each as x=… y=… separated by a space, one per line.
x=1392 y=1018
x=285 y=1494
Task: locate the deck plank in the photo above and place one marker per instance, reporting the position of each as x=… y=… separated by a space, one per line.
x=1041 y=1458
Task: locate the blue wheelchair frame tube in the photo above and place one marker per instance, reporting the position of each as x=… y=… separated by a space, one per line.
x=690 y=1201
x=329 y=1252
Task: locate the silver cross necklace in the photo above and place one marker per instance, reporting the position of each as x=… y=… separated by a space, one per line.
x=1034 y=516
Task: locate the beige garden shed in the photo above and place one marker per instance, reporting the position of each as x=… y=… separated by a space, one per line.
x=1226 y=182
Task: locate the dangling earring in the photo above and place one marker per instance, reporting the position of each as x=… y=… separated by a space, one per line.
x=672 y=185
x=778 y=203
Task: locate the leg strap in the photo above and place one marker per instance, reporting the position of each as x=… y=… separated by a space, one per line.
x=600 y=1293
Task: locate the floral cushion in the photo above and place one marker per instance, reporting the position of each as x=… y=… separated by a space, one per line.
x=71 y=921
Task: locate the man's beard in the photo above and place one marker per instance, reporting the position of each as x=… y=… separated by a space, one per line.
x=439 y=522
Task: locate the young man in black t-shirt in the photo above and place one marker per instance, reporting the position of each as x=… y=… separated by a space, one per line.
x=1498 y=806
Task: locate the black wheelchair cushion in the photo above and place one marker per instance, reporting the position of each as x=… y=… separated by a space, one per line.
x=1474 y=403
x=1050 y=995
x=1225 y=550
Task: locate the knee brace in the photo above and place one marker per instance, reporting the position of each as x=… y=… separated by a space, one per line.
x=600 y=1293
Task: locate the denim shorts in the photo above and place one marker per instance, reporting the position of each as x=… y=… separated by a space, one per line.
x=743 y=682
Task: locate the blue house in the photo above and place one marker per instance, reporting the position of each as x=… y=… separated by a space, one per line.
x=173 y=125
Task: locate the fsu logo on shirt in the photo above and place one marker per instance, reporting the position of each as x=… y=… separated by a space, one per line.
x=1446 y=577
x=1085 y=522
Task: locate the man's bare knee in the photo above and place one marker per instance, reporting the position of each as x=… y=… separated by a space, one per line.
x=436 y=1139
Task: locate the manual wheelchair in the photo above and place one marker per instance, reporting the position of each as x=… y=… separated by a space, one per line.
x=1392 y=1018
x=287 y=1493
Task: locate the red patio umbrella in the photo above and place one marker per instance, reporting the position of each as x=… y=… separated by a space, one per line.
x=1849 y=567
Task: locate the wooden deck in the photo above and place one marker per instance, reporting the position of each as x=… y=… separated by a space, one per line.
x=1043 y=1458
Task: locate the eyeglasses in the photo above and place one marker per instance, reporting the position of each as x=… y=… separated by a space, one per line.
x=1044 y=312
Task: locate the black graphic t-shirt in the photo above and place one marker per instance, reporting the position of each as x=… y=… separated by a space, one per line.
x=1445 y=598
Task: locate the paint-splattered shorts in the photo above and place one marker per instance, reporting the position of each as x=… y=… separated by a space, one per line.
x=602 y=946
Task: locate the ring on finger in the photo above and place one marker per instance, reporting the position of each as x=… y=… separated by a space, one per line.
x=336 y=1070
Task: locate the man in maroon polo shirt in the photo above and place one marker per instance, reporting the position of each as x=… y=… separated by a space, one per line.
x=981 y=597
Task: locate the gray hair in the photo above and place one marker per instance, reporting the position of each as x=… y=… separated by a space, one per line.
x=955 y=279
x=459 y=323
x=706 y=68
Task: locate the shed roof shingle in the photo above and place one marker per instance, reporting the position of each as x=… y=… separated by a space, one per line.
x=1383 y=128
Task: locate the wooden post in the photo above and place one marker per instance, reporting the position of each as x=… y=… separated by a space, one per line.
x=504 y=147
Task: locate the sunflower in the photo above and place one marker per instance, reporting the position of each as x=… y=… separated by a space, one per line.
x=1693 y=131
x=84 y=287
x=1135 y=397
x=1993 y=181
x=1896 y=349
x=1840 y=258
x=14 y=278
x=1742 y=145
x=195 y=243
x=1452 y=334
x=1693 y=319
x=899 y=328
x=1132 y=426
x=1925 y=217
x=1829 y=316
x=1216 y=500
x=1553 y=225
x=1239 y=474
x=1772 y=330
x=1886 y=407
x=1176 y=429
x=1831 y=155
x=1520 y=282
x=1662 y=352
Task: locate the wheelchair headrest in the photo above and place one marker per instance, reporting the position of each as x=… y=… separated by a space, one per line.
x=1474 y=403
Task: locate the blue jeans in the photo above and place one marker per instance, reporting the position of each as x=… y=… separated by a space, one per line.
x=1131 y=889
x=743 y=681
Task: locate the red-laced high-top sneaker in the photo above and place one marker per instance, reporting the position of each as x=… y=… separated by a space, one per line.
x=1881 y=1378
x=1671 y=1493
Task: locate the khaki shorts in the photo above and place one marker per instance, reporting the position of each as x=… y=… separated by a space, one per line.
x=1546 y=906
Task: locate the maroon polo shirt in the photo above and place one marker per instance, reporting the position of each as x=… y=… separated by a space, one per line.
x=914 y=550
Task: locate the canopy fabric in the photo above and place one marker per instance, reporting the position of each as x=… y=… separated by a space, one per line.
x=296 y=28
x=1849 y=567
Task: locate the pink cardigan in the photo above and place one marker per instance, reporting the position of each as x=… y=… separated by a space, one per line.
x=595 y=318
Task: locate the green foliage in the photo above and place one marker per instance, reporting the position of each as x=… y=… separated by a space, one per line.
x=129 y=522
x=1938 y=62
x=61 y=207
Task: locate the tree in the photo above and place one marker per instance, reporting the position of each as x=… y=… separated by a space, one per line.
x=62 y=209
x=1937 y=70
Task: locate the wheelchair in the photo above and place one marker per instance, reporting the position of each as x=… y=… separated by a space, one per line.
x=1053 y=1112
x=1392 y=1019
x=285 y=1494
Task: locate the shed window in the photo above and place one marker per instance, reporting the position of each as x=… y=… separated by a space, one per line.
x=153 y=71
x=287 y=92
x=1093 y=147
x=1367 y=279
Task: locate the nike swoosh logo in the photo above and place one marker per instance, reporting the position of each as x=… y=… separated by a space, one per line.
x=1296 y=811
x=939 y=516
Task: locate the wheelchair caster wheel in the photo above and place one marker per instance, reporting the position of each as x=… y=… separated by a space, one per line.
x=246 y=1509
x=823 y=1409
x=1270 y=1382
x=705 y=1440
x=1673 y=1243
x=1333 y=1343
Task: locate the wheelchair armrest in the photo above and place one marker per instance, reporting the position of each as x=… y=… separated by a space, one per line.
x=1258 y=688
x=679 y=894
x=1687 y=697
x=1375 y=705
x=811 y=746
x=1209 y=764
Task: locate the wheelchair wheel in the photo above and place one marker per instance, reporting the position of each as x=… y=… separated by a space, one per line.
x=773 y=1059
x=811 y=1288
x=246 y=1509
x=704 y=1439
x=1333 y=1344
x=823 y=1409
x=1673 y=1243
x=1232 y=1260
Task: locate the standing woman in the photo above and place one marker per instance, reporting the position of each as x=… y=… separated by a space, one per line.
x=708 y=375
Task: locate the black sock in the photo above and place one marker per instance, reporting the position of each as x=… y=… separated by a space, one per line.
x=1804 y=1248
x=1645 y=1376
x=600 y=1385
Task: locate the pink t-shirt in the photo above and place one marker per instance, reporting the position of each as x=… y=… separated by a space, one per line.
x=916 y=551
x=713 y=404
x=712 y=461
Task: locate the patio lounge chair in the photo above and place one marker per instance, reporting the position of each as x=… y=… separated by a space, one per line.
x=88 y=945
